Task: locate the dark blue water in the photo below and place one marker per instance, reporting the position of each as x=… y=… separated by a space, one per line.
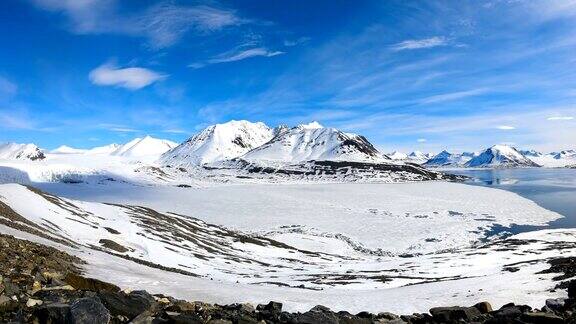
x=553 y=189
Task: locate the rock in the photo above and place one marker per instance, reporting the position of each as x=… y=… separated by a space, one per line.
x=52 y=313
x=88 y=311
x=555 y=304
x=572 y=289
x=83 y=283
x=11 y=288
x=542 y=318
x=317 y=315
x=483 y=307
x=511 y=311
x=272 y=306
x=453 y=314
x=387 y=316
x=7 y=304
x=144 y=318
x=129 y=305
x=177 y=318
x=220 y=321
x=113 y=246
x=65 y=287
x=181 y=306
x=33 y=302
x=270 y=311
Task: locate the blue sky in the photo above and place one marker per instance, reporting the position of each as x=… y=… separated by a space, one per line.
x=427 y=75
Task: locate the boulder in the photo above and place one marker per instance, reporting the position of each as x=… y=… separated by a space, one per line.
x=270 y=311
x=7 y=304
x=483 y=307
x=83 y=283
x=555 y=303
x=454 y=314
x=542 y=318
x=51 y=313
x=572 y=289
x=317 y=315
x=129 y=305
x=87 y=311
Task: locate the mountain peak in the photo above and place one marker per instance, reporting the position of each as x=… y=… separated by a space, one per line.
x=14 y=151
x=501 y=155
x=219 y=142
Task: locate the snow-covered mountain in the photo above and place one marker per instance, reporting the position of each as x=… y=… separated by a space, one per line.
x=14 y=151
x=530 y=153
x=413 y=157
x=560 y=159
x=419 y=156
x=314 y=142
x=220 y=142
x=567 y=154
x=146 y=146
x=501 y=156
x=447 y=159
x=398 y=156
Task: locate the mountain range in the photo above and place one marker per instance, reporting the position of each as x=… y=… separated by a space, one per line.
x=257 y=143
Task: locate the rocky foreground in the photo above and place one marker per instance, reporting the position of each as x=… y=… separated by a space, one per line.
x=40 y=284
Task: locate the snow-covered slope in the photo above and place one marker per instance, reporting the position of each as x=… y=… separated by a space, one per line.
x=339 y=258
x=398 y=156
x=65 y=149
x=447 y=159
x=14 y=151
x=500 y=156
x=147 y=146
x=314 y=142
x=103 y=150
x=219 y=142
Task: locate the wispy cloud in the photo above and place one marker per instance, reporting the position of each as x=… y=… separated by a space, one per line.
x=560 y=118
x=124 y=130
x=10 y=121
x=132 y=78
x=296 y=42
x=176 y=131
x=421 y=140
x=505 y=127
x=163 y=24
x=7 y=88
x=236 y=55
x=453 y=96
x=412 y=44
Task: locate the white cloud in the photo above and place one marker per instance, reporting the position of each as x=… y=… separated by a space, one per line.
x=163 y=24
x=132 y=78
x=421 y=43
x=421 y=140
x=561 y=118
x=505 y=127
x=236 y=55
